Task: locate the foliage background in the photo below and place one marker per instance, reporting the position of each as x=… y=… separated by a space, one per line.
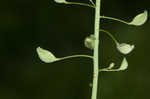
x=27 y=24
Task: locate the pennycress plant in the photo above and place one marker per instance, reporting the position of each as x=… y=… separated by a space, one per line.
x=92 y=42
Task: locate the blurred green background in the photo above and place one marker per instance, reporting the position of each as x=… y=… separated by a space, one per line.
x=27 y=24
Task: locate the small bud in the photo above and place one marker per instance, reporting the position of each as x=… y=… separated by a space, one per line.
x=124 y=65
x=111 y=65
x=60 y=1
x=89 y=42
x=45 y=55
x=125 y=48
x=140 y=19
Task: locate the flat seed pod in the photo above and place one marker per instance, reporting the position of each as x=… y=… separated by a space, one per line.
x=45 y=55
x=140 y=19
x=125 y=48
x=111 y=65
x=124 y=65
x=89 y=42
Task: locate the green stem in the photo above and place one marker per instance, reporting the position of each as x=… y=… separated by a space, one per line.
x=92 y=3
x=73 y=56
x=106 y=69
x=108 y=33
x=83 y=4
x=111 y=18
x=96 y=50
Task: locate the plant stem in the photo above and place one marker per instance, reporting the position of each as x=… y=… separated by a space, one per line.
x=109 y=34
x=73 y=56
x=82 y=4
x=96 y=51
x=111 y=18
x=92 y=2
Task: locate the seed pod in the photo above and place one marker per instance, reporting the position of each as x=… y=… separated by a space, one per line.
x=89 y=42
x=45 y=55
x=140 y=19
x=125 y=48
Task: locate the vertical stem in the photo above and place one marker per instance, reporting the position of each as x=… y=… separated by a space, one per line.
x=96 y=51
